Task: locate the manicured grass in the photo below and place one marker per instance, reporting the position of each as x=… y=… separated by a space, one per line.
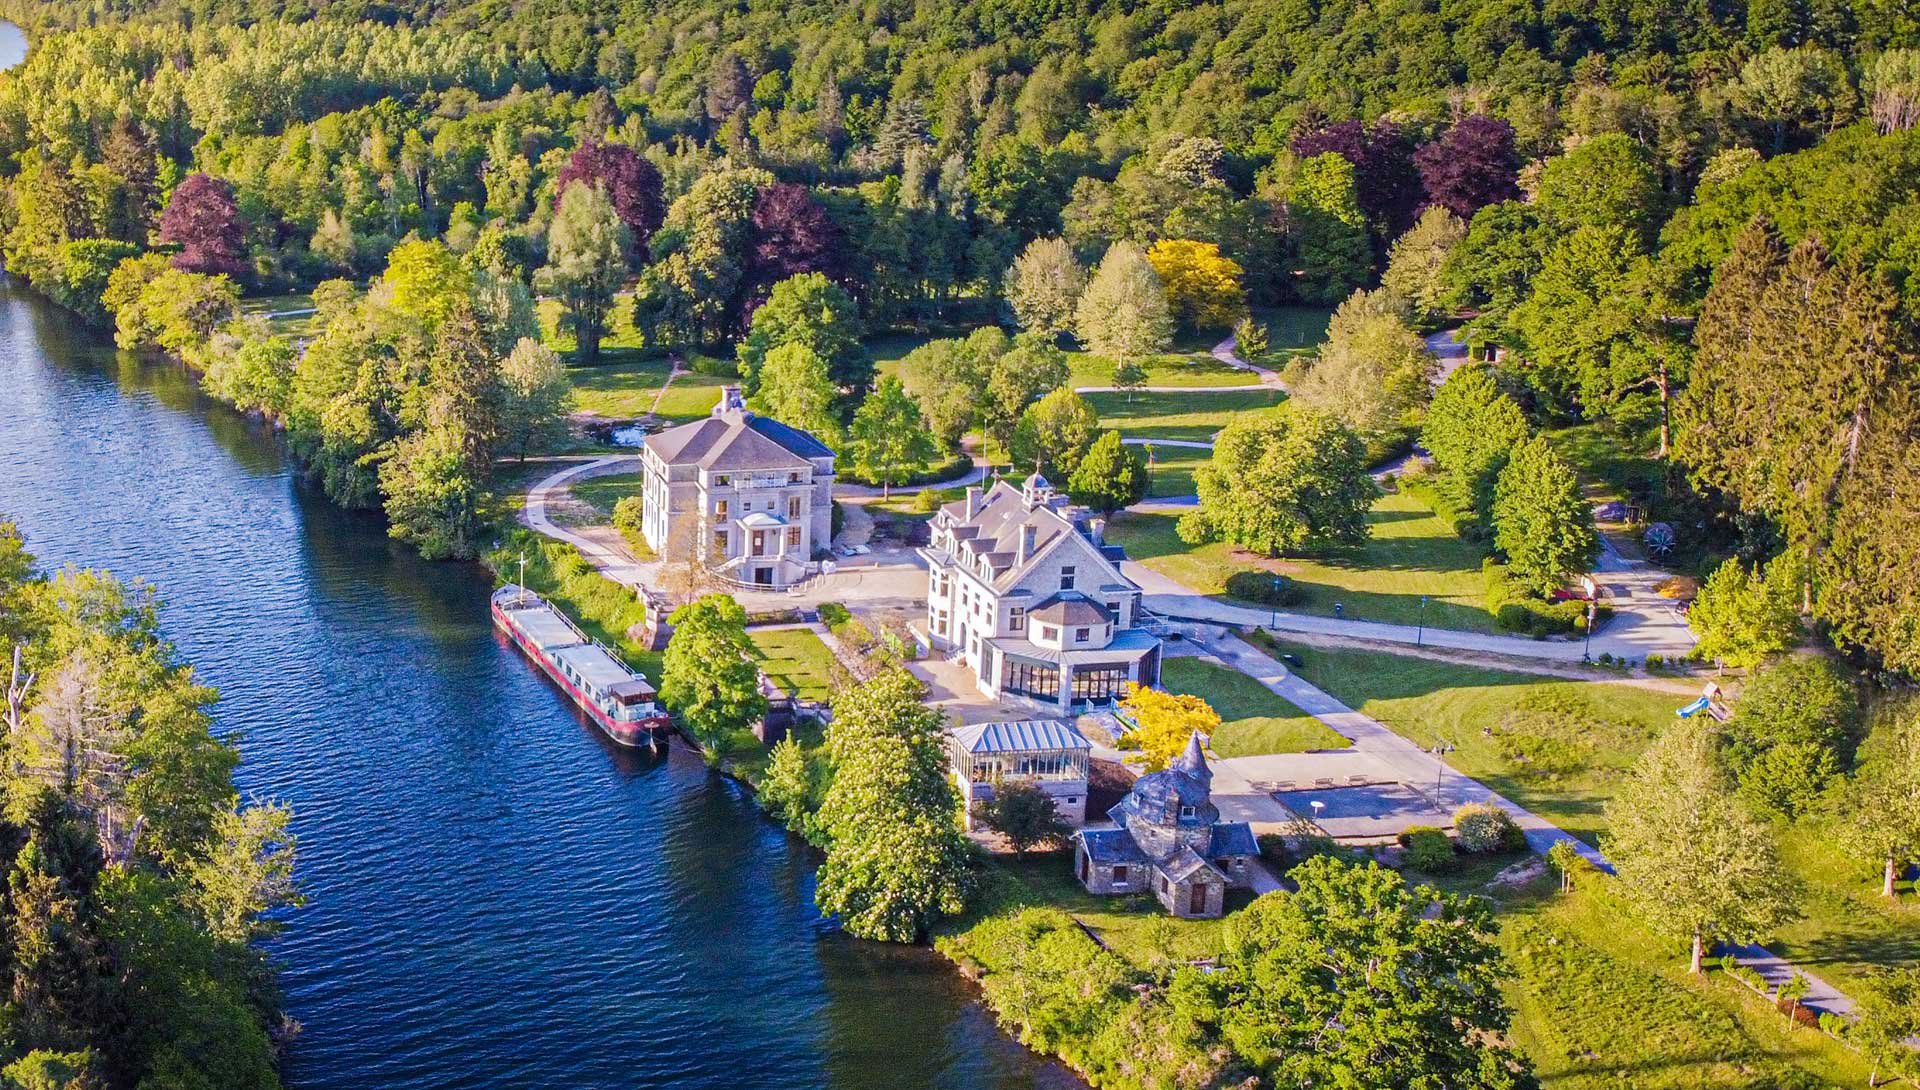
x=1558 y=748
x=692 y=396
x=1253 y=719
x=602 y=493
x=1849 y=929
x=1172 y=470
x=797 y=661
x=1197 y=369
x=618 y=390
x=1413 y=553
x=1193 y=416
x=295 y=326
x=1292 y=331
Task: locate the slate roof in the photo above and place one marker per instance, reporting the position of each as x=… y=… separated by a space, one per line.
x=735 y=442
x=1232 y=838
x=1185 y=863
x=1186 y=782
x=1111 y=846
x=1069 y=608
x=1020 y=736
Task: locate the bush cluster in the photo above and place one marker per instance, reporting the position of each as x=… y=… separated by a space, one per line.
x=1483 y=828
x=1428 y=849
x=1260 y=586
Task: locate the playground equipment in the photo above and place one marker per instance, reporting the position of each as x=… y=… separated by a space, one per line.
x=1708 y=702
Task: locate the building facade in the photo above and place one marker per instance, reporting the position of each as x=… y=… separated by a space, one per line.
x=1168 y=840
x=1021 y=588
x=748 y=495
x=1049 y=754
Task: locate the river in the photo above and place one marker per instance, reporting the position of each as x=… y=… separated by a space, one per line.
x=497 y=898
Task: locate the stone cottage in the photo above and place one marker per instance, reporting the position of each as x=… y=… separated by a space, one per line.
x=1168 y=839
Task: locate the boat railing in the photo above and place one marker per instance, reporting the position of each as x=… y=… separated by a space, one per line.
x=574 y=627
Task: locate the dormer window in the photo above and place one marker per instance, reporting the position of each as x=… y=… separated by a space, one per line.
x=724 y=478
x=1081 y=635
x=1016 y=619
x=1066 y=578
x=1186 y=813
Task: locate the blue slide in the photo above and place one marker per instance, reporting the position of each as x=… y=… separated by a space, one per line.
x=1688 y=711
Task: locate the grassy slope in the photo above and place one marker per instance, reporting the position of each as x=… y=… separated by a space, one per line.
x=1849 y=929
x=797 y=661
x=1413 y=552
x=1252 y=718
x=1558 y=748
x=1192 y=416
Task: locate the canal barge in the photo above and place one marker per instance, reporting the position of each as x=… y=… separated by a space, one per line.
x=615 y=696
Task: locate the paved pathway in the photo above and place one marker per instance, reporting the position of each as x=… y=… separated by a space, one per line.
x=1449 y=790
x=1239 y=388
x=1225 y=353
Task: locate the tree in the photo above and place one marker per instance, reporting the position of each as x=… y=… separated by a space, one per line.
x=586 y=264
x=1411 y=975
x=1470 y=166
x=947 y=379
x=536 y=395
x=1892 y=85
x=1332 y=252
x=786 y=791
x=1202 y=288
x=433 y=499
x=1054 y=433
x=129 y=155
x=1250 y=339
x=695 y=288
x=1888 y=1020
x=792 y=234
x=1582 y=316
x=247 y=872
x=1883 y=807
x=896 y=859
x=1386 y=183
x=1745 y=616
x=1610 y=180
x=1279 y=484
x=1025 y=815
x=796 y=390
x=1123 y=314
x=1027 y=370
x=204 y=222
x=809 y=309
x=707 y=675
x=889 y=440
x=632 y=185
x=1785 y=90
x=1043 y=285
x=1690 y=859
x=1471 y=429
x=427 y=281
x=1416 y=263
x=1374 y=372
x=1110 y=477
x=1541 y=520
x=1792 y=731
x=1164 y=722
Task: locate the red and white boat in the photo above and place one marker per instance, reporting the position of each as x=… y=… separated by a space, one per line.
x=616 y=697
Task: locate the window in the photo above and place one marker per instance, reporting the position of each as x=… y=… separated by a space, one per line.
x=1120 y=875
x=1037 y=679
x=1186 y=812
x=720 y=540
x=793 y=537
x=1048 y=632
x=793 y=507
x=1098 y=684
x=1163 y=883
x=1016 y=619
x=720 y=508
x=724 y=478
x=793 y=478
x=1066 y=578
x=1081 y=635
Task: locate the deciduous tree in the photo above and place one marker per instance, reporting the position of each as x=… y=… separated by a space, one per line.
x=890 y=441
x=1883 y=805
x=1470 y=166
x=1280 y=484
x=1744 y=616
x=203 y=220
x=1203 y=289
x=1054 y=433
x=1110 y=477
x=809 y=309
x=1123 y=314
x=1416 y=263
x=1373 y=372
x=1471 y=429
x=586 y=264
x=707 y=675
x=1025 y=816
x=1165 y=722
x=1043 y=286
x=1541 y=521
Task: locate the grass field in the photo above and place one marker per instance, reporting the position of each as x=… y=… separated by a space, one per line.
x=1849 y=929
x=1191 y=416
x=1413 y=553
x=601 y=493
x=1291 y=331
x=294 y=325
x=796 y=660
x=1558 y=748
x=1253 y=719
x=1171 y=472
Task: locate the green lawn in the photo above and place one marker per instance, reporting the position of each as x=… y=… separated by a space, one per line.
x=1253 y=719
x=1413 y=553
x=1292 y=331
x=1559 y=748
x=601 y=493
x=1172 y=470
x=1849 y=928
x=1193 y=416
x=1196 y=369
x=296 y=326
x=797 y=661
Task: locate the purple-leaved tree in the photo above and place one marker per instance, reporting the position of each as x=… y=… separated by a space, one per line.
x=1384 y=179
x=204 y=222
x=632 y=184
x=1471 y=166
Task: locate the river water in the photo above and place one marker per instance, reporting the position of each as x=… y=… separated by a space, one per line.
x=498 y=898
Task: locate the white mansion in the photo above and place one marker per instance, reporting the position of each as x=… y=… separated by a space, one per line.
x=753 y=496
x=1023 y=591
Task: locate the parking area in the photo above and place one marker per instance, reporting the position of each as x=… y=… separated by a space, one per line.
x=1374 y=811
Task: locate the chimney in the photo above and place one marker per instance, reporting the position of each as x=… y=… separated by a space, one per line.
x=731 y=401
x=973 y=503
x=1026 y=544
x=1097 y=530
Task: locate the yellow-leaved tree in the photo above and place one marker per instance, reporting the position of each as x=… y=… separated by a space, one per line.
x=1203 y=288
x=1164 y=721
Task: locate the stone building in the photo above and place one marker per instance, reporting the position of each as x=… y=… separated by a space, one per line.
x=1168 y=839
x=1021 y=588
x=1050 y=754
x=751 y=496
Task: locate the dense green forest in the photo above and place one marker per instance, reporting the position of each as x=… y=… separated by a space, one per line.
x=137 y=884
x=1573 y=180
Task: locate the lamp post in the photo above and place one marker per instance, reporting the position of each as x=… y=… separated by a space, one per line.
x=1420 y=634
x=1441 y=747
x=1593 y=604
x=1274 y=621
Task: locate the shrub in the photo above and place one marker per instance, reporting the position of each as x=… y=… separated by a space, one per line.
x=713 y=366
x=1483 y=827
x=926 y=501
x=1265 y=588
x=1833 y=1025
x=1428 y=849
x=833 y=614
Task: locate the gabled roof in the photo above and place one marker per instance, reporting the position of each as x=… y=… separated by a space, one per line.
x=737 y=442
x=1000 y=520
x=1111 y=846
x=1021 y=736
x=1232 y=838
x=1186 y=863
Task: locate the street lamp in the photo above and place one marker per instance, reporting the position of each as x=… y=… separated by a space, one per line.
x=1274 y=621
x=1593 y=604
x=1421 y=633
x=1441 y=747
